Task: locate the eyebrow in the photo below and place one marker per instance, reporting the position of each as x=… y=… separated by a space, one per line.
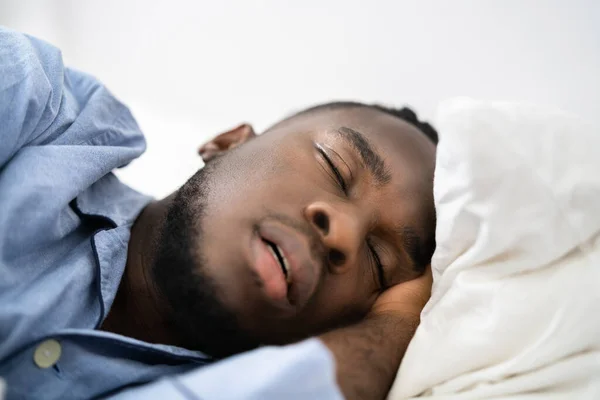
x=369 y=157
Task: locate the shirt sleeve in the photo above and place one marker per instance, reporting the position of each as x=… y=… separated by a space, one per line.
x=300 y=371
x=31 y=80
x=42 y=102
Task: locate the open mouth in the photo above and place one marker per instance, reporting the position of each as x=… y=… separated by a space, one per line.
x=290 y=286
x=280 y=257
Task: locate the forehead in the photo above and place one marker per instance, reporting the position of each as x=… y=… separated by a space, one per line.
x=408 y=154
x=401 y=144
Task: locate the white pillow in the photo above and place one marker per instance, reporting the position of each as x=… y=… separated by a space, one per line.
x=515 y=307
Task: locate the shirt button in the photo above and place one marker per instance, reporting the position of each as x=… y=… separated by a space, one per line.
x=47 y=353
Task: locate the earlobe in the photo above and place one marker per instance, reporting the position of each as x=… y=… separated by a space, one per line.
x=226 y=141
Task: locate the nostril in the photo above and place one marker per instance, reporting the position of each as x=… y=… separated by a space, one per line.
x=336 y=257
x=321 y=221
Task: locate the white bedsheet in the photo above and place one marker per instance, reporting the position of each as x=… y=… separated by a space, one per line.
x=515 y=307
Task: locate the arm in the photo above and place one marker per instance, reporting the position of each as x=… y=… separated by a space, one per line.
x=40 y=100
x=300 y=371
x=369 y=353
x=365 y=360
x=30 y=90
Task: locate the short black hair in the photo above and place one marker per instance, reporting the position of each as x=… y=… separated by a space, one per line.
x=404 y=113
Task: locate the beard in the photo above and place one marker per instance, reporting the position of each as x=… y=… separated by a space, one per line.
x=197 y=316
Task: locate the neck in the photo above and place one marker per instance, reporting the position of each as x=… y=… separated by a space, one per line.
x=139 y=311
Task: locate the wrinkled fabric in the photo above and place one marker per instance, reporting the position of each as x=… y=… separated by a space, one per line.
x=65 y=222
x=516 y=297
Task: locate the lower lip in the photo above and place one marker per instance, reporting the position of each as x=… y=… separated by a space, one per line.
x=268 y=269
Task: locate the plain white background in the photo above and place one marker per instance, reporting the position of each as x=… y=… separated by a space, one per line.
x=191 y=69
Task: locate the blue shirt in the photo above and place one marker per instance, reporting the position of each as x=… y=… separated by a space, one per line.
x=65 y=222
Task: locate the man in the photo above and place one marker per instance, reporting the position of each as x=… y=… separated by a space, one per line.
x=321 y=227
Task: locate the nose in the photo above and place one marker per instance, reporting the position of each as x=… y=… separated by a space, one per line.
x=342 y=230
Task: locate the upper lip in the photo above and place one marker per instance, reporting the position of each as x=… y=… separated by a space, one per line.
x=297 y=248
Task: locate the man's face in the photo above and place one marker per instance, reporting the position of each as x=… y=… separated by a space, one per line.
x=303 y=226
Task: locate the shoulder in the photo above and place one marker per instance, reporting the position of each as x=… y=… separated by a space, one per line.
x=24 y=57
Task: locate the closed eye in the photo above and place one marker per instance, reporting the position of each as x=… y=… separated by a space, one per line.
x=378 y=265
x=338 y=176
x=342 y=184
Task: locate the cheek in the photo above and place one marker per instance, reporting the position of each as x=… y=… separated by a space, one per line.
x=225 y=252
x=255 y=178
x=341 y=299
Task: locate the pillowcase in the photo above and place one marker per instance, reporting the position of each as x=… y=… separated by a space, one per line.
x=515 y=306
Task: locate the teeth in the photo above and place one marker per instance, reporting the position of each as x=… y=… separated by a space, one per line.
x=288 y=273
x=273 y=253
x=281 y=260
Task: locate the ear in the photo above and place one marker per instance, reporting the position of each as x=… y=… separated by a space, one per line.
x=226 y=141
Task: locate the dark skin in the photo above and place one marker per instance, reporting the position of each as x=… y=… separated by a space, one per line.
x=305 y=185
